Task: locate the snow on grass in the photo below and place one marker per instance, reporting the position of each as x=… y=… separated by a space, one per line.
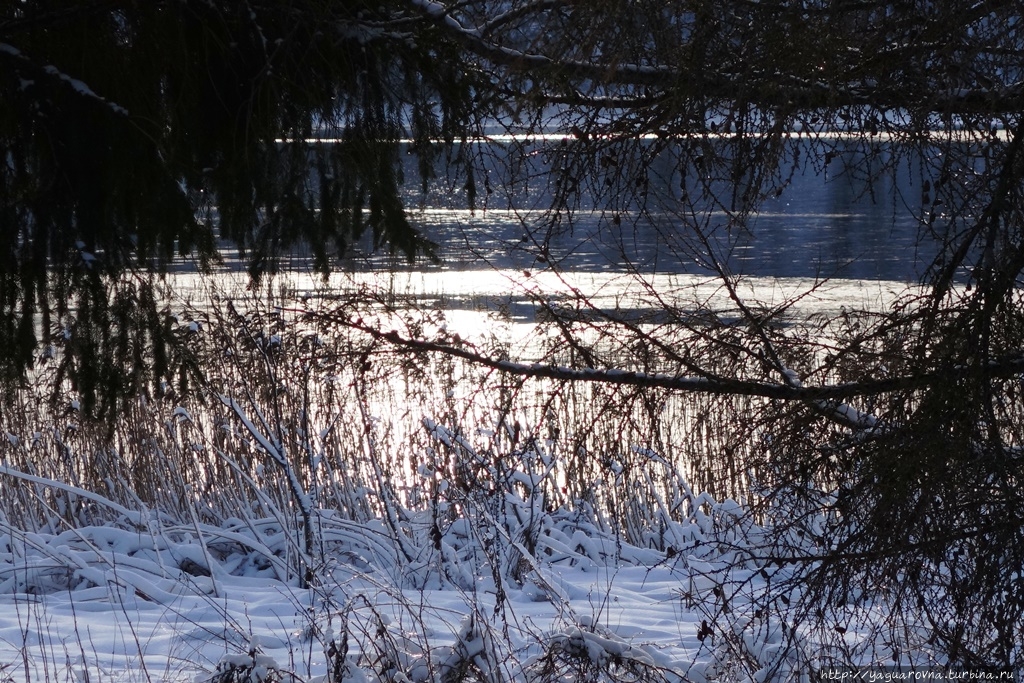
x=112 y=632
x=119 y=602
x=484 y=584
x=504 y=556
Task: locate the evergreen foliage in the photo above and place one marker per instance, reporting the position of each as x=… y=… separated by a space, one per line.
x=132 y=133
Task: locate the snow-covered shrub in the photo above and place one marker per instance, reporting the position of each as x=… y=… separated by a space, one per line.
x=249 y=667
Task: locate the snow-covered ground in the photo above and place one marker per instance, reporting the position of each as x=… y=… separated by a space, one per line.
x=505 y=591
x=490 y=582
x=490 y=566
x=140 y=598
x=178 y=630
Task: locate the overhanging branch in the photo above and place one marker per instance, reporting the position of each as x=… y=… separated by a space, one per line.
x=1005 y=368
x=768 y=89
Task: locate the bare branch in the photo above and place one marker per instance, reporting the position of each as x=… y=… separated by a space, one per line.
x=858 y=82
x=709 y=384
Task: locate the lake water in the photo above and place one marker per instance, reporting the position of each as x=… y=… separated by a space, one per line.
x=851 y=249
x=861 y=239
x=828 y=222
x=857 y=245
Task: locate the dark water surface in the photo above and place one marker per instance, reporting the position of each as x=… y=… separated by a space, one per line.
x=825 y=224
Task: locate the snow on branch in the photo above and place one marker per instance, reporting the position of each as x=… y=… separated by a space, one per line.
x=276 y=452
x=82 y=89
x=132 y=516
x=517 y=13
x=78 y=86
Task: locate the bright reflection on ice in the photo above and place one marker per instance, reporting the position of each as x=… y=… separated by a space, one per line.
x=475 y=301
